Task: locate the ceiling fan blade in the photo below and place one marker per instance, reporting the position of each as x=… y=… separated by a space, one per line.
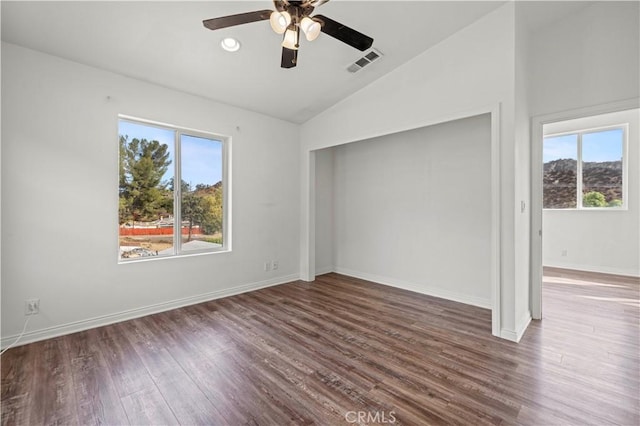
x=343 y=33
x=318 y=3
x=289 y=58
x=239 y=19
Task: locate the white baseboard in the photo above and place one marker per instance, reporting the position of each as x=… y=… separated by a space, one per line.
x=418 y=288
x=325 y=270
x=597 y=269
x=73 y=327
x=509 y=335
x=521 y=327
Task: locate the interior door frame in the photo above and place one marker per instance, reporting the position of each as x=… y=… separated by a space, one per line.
x=537 y=132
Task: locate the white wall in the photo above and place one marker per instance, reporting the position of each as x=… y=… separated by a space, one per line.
x=60 y=198
x=588 y=58
x=473 y=69
x=324 y=184
x=59 y=127
x=584 y=64
x=522 y=161
x=412 y=210
x=601 y=241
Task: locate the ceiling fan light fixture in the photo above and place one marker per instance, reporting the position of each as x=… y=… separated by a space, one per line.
x=280 y=21
x=310 y=28
x=230 y=44
x=291 y=38
x=289 y=18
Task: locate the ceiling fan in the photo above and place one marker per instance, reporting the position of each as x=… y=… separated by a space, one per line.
x=288 y=18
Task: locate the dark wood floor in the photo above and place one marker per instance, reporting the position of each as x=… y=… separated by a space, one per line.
x=314 y=353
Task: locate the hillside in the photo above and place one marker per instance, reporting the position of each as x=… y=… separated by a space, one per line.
x=559 y=180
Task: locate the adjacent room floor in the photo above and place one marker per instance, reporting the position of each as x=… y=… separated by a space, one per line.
x=338 y=350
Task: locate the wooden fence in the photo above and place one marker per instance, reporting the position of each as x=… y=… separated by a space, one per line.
x=156 y=231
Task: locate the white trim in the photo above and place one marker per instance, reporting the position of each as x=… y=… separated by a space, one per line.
x=537 y=124
x=73 y=327
x=496 y=222
x=536 y=202
x=624 y=127
x=325 y=270
x=433 y=121
x=308 y=218
x=177 y=194
x=417 y=288
x=227 y=194
x=521 y=327
x=178 y=133
x=509 y=335
x=597 y=269
x=159 y=124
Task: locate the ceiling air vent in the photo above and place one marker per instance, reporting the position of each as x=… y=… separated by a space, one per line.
x=372 y=55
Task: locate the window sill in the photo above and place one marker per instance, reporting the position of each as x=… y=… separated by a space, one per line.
x=176 y=256
x=591 y=209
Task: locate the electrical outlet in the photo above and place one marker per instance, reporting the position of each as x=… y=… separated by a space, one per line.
x=274 y=265
x=267 y=266
x=32 y=306
x=564 y=252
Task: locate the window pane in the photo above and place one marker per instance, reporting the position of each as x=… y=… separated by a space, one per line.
x=201 y=201
x=560 y=157
x=602 y=168
x=146 y=191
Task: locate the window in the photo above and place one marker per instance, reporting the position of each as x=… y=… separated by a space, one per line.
x=584 y=170
x=157 y=216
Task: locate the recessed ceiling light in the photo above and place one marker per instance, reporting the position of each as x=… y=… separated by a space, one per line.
x=230 y=44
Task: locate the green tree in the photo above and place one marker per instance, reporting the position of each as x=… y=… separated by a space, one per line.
x=594 y=199
x=615 y=203
x=215 y=225
x=197 y=209
x=143 y=194
x=214 y=196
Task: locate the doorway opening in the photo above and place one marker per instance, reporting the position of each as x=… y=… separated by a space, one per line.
x=585 y=195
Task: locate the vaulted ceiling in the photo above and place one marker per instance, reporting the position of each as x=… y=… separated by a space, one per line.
x=165 y=43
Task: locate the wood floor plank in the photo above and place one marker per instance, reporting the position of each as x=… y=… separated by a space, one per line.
x=17 y=376
x=97 y=398
x=313 y=353
x=142 y=401
x=54 y=399
x=216 y=376
x=148 y=407
x=125 y=366
x=185 y=399
x=281 y=356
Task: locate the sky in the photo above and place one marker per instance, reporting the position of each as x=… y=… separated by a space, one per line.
x=201 y=157
x=599 y=146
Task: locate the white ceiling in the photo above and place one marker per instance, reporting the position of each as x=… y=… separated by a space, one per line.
x=165 y=43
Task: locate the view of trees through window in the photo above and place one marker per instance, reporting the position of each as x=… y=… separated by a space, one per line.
x=152 y=208
x=583 y=170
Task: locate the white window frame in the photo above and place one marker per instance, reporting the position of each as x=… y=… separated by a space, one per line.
x=179 y=131
x=579 y=184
